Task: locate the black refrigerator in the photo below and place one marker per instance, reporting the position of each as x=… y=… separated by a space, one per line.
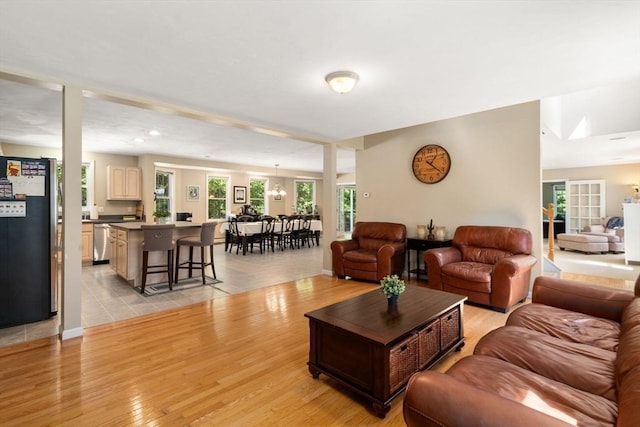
x=28 y=246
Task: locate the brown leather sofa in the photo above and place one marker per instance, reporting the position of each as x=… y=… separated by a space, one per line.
x=572 y=357
x=488 y=264
x=375 y=250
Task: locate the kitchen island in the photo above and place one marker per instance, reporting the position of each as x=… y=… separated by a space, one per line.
x=125 y=247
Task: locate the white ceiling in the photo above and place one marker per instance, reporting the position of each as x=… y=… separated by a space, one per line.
x=262 y=64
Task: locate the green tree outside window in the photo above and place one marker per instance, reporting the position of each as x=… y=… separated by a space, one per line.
x=256 y=194
x=217 y=198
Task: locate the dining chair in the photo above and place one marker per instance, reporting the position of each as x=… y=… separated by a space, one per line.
x=205 y=239
x=235 y=237
x=285 y=236
x=157 y=238
x=304 y=232
x=268 y=230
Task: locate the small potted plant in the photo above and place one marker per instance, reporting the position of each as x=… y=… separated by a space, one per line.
x=161 y=215
x=392 y=286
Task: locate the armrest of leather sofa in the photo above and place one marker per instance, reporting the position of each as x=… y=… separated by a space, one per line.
x=338 y=248
x=387 y=258
x=436 y=399
x=389 y=249
x=599 y=301
x=434 y=259
x=512 y=266
x=342 y=246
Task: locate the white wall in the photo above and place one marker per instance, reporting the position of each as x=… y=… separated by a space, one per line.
x=494 y=177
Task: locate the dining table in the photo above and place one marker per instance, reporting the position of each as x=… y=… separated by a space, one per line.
x=255 y=227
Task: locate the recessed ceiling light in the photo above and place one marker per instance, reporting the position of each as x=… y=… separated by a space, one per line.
x=154 y=132
x=617 y=138
x=138 y=140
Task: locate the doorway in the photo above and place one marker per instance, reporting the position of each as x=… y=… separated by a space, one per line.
x=346 y=195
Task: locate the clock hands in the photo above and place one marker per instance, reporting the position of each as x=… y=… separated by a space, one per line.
x=430 y=163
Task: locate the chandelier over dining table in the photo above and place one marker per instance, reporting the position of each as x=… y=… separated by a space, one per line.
x=277 y=190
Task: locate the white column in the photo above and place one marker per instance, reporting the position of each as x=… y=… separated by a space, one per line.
x=70 y=310
x=329 y=205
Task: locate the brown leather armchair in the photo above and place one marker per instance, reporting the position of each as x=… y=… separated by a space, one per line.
x=376 y=249
x=490 y=265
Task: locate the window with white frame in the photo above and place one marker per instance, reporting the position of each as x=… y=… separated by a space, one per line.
x=217 y=197
x=86 y=185
x=257 y=193
x=164 y=192
x=305 y=196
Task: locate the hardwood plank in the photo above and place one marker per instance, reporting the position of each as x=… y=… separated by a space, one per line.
x=239 y=360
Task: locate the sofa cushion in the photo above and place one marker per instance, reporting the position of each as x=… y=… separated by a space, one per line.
x=553 y=358
x=371 y=244
x=535 y=391
x=473 y=271
x=483 y=255
x=361 y=255
x=567 y=325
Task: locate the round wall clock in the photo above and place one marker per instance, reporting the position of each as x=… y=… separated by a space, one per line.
x=431 y=164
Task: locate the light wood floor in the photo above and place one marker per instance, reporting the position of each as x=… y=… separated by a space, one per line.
x=238 y=361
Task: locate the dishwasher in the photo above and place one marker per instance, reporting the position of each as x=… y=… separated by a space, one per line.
x=100 y=243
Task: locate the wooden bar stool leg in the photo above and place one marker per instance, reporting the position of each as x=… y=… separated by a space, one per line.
x=177 y=262
x=145 y=262
x=190 y=261
x=170 y=268
x=213 y=267
x=202 y=262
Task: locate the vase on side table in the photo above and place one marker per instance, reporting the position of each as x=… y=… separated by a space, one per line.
x=392 y=300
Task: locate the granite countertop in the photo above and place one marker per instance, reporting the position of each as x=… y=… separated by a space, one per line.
x=138 y=225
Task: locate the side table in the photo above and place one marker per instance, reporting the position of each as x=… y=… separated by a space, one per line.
x=421 y=245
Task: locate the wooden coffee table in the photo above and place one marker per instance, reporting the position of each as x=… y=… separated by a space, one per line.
x=374 y=349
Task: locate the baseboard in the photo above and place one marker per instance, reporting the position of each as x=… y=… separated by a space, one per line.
x=71 y=333
x=327 y=272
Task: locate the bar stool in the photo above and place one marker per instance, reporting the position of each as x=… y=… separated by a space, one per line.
x=157 y=238
x=206 y=239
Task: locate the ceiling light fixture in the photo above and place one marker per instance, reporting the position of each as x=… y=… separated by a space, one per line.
x=342 y=81
x=277 y=190
x=154 y=132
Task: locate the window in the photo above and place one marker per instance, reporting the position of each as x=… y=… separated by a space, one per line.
x=217 y=197
x=560 y=199
x=305 y=196
x=86 y=185
x=257 y=194
x=164 y=191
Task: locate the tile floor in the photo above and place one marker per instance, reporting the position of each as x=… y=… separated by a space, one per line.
x=107 y=298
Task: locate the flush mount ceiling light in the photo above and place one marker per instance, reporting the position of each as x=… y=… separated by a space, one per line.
x=342 y=81
x=277 y=190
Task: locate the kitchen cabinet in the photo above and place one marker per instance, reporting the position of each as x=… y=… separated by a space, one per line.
x=119 y=252
x=126 y=245
x=124 y=183
x=87 y=242
x=113 y=245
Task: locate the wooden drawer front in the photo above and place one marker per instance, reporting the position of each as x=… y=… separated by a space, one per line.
x=449 y=328
x=403 y=362
x=122 y=235
x=428 y=343
x=113 y=233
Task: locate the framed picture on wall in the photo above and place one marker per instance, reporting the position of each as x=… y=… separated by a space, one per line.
x=239 y=194
x=193 y=193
